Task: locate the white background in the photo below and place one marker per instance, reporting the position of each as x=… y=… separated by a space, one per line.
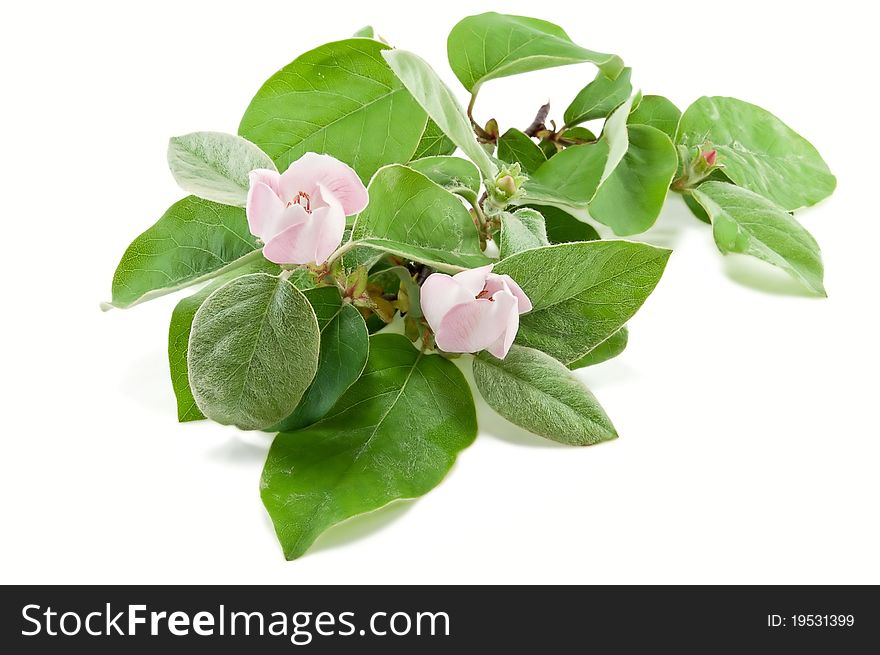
x=747 y=412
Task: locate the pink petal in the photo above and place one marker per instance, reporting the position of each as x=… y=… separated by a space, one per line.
x=525 y=305
x=473 y=280
x=312 y=170
x=501 y=346
x=474 y=326
x=286 y=248
x=270 y=178
x=287 y=217
x=329 y=225
x=263 y=209
x=308 y=238
x=439 y=294
x=506 y=283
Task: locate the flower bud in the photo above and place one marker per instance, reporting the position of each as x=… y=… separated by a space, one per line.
x=695 y=165
x=507 y=184
x=709 y=156
x=506 y=187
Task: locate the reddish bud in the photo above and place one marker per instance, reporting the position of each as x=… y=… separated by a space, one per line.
x=710 y=156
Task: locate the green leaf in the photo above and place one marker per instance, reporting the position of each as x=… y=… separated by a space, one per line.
x=394 y=434
x=631 y=198
x=454 y=174
x=516 y=147
x=599 y=98
x=696 y=208
x=522 y=230
x=401 y=277
x=366 y=32
x=344 y=347
x=758 y=151
x=562 y=227
x=548 y=148
x=413 y=217
x=616 y=135
x=194 y=240
x=579 y=133
x=436 y=99
x=657 y=112
x=433 y=142
x=536 y=392
x=488 y=46
x=747 y=223
x=374 y=324
x=215 y=166
x=582 y=293
x=179 y=330
x=569 y=179
x=253 y=351
x=340 y=99
x=608 y=349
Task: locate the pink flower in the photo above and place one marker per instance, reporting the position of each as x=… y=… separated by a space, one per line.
x=474 y=310
x=300 y=214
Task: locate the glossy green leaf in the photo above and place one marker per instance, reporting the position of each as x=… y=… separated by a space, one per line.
x=394 y=434
x=599 y=98
x=548 y=147
x=582 y=293
x=562 y=227
x=534 y=391
x=194 y=240
x=522 y=230
x=696 y=208
x=442 y=107
x=413 y=217
x=253 y=351
x=491 y=45
x=758 y=151
x=433 y=142
x=630 y=200
x=747 y=223
x=454 y=174
x=344 y=348
x=340 y=99
x=515 y=146
x=657 y=112
x=608 y=349
x=374 y=324
x=616 y=135
x=569 y=179
x=215 y=166
x=181 y=325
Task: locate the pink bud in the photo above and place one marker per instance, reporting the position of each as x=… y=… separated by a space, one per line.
x=474 y=310
x=710 y=156
x=300 y=214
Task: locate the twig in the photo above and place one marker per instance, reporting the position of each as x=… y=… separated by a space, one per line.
x=482 y=135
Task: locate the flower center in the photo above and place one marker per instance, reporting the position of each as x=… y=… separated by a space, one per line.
x=484 y=294
x=303 y=200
